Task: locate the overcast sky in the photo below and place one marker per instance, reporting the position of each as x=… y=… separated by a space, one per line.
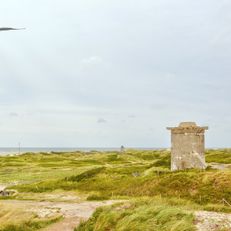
x=103 y=73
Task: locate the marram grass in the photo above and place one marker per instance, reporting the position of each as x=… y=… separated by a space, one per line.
x=148 y=215
x=136 y=174
x=128 y=175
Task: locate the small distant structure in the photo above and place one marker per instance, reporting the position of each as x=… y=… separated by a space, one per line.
x=122 y=148
x=188 y=146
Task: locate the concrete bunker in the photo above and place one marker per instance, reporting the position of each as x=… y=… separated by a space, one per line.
x=187 y=146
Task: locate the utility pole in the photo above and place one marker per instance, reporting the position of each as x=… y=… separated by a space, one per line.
x=19 y=148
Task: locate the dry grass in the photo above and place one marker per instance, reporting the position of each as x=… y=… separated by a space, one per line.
x=14 y=218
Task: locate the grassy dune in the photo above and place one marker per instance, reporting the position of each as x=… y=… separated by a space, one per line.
x=131 y=174
x=114 y=175
x=139 y=215
x=13 y=218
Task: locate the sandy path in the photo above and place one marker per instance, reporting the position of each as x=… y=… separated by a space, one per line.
x=212 y=221
x=220 y=166
x=72 y=213
x=2 y=187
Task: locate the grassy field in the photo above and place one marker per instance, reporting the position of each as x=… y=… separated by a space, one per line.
x=140 y=176
x=139 y=215
x=14 y=218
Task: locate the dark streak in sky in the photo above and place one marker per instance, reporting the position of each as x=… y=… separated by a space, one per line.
x=10 y=28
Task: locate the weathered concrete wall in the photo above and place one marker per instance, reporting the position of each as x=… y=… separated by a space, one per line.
x=188 y=146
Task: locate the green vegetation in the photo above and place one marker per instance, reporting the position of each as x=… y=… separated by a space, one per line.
x=219 y=156
x=140 y=215
x=131 y=174
x=30 y=225
x=85 y=175
x=13 y=218
x=128 y=175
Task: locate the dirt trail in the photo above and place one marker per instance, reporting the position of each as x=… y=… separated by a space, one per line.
x=2 y=187
x=220 y=166
x=73 y=213
x=212 y=221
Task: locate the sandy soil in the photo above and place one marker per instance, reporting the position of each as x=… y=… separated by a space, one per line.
x=212 y=221
x=220 y=166
x=2 y=187
x=73 y=213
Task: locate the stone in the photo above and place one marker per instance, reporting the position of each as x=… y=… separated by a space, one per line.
x=4 y=193
x=7 y=192
x=188 y=146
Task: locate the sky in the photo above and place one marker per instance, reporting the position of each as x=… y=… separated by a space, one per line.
x=99 y=73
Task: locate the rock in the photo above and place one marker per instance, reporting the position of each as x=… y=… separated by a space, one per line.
x=7 y=193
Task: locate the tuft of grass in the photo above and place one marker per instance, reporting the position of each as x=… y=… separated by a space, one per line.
x=218 y=156
x=163 y=162
x=217 y=208
x=199 y=186
x=97 y=197
x=30 y=225
x=138 y=216
x=17 y=218
x=85 y=175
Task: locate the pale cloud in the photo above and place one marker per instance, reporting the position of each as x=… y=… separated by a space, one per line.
x=132 y=116
x=101 y=120
x=13 y=114
x=93 y=60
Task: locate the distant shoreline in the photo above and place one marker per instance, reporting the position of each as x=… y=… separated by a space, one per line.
x=15 y=151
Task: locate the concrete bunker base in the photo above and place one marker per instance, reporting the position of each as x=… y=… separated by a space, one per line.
x=188 y=146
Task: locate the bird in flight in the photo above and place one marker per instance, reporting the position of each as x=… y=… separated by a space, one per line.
x=10 y=28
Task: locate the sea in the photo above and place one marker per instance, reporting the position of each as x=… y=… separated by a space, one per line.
x=16 y=150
